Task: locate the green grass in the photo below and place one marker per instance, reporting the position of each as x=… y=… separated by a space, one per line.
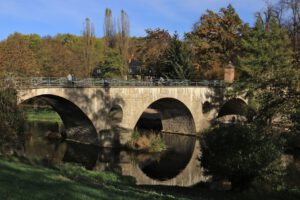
x=23 y=181
x=43 y=115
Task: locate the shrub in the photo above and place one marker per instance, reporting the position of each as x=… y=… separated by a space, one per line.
x=157 y=143
x=135 y=135
x=11 y=121
x=150 y=142
x=240 y=154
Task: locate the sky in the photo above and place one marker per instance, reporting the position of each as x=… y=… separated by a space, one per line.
x=49 y=17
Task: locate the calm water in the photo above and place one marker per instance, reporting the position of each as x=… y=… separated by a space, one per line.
x=43 y=141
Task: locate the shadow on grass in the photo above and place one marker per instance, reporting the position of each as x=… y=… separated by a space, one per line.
x=20 y=181
x=202 y=192
x=23 y=181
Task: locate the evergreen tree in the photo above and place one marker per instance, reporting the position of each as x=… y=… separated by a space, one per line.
x=112 y=64
x=177 y=61
x=268 y=77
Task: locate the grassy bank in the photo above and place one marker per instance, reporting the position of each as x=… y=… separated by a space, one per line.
x=23 y=181
x=45 y=115
x=35 y=181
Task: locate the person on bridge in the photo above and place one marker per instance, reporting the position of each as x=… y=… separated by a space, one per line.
x=161 y=81
x=73 y=79
x=69 y=78
x=106 y=83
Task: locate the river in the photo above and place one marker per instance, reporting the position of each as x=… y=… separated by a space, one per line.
x=166 y=168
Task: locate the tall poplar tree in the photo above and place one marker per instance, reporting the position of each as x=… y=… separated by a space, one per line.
x=123 y=41
x=109 y=29
x=89 y=41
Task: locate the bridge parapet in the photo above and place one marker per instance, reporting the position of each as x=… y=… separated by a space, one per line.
x=63 y=82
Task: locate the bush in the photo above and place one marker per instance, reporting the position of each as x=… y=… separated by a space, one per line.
x=135 y=135
x=240 y=154
x=11 y=121
x=149 y=142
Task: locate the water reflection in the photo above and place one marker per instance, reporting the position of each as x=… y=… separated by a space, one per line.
x=86 y=155
x=47 y=141
x=171 y=162
x=41 y=143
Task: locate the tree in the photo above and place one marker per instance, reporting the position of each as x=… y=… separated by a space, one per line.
x=177 y=61
x=240 y=154
x=116 y=52
x=293 y=24
x=215 y=41
x=112 y=65
x=109 y=29
x=16 y=57
x=34 y=42
x=56 y=59
x=11 y=122
x=123 y=41
x=150 y=49
x=287 y=12
x=89 y=40
x=268 y=77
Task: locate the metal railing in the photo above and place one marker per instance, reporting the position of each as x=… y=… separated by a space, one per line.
x=44 y=82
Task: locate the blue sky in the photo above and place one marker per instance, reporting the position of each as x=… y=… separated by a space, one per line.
x=49 y=17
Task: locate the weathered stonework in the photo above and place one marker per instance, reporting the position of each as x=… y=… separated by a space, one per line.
x=181 y=107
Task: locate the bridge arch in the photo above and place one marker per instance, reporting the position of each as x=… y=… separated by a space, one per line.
x=171 y=116
x=77 y=124
x=235 y=109
x=115 y=113
x=206 y=107
x=175 y=116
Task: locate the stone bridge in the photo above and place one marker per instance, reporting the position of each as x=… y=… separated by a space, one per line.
x=184 y=110
x=106 y=116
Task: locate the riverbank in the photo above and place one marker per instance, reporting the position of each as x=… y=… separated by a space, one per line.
x=44 y=115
